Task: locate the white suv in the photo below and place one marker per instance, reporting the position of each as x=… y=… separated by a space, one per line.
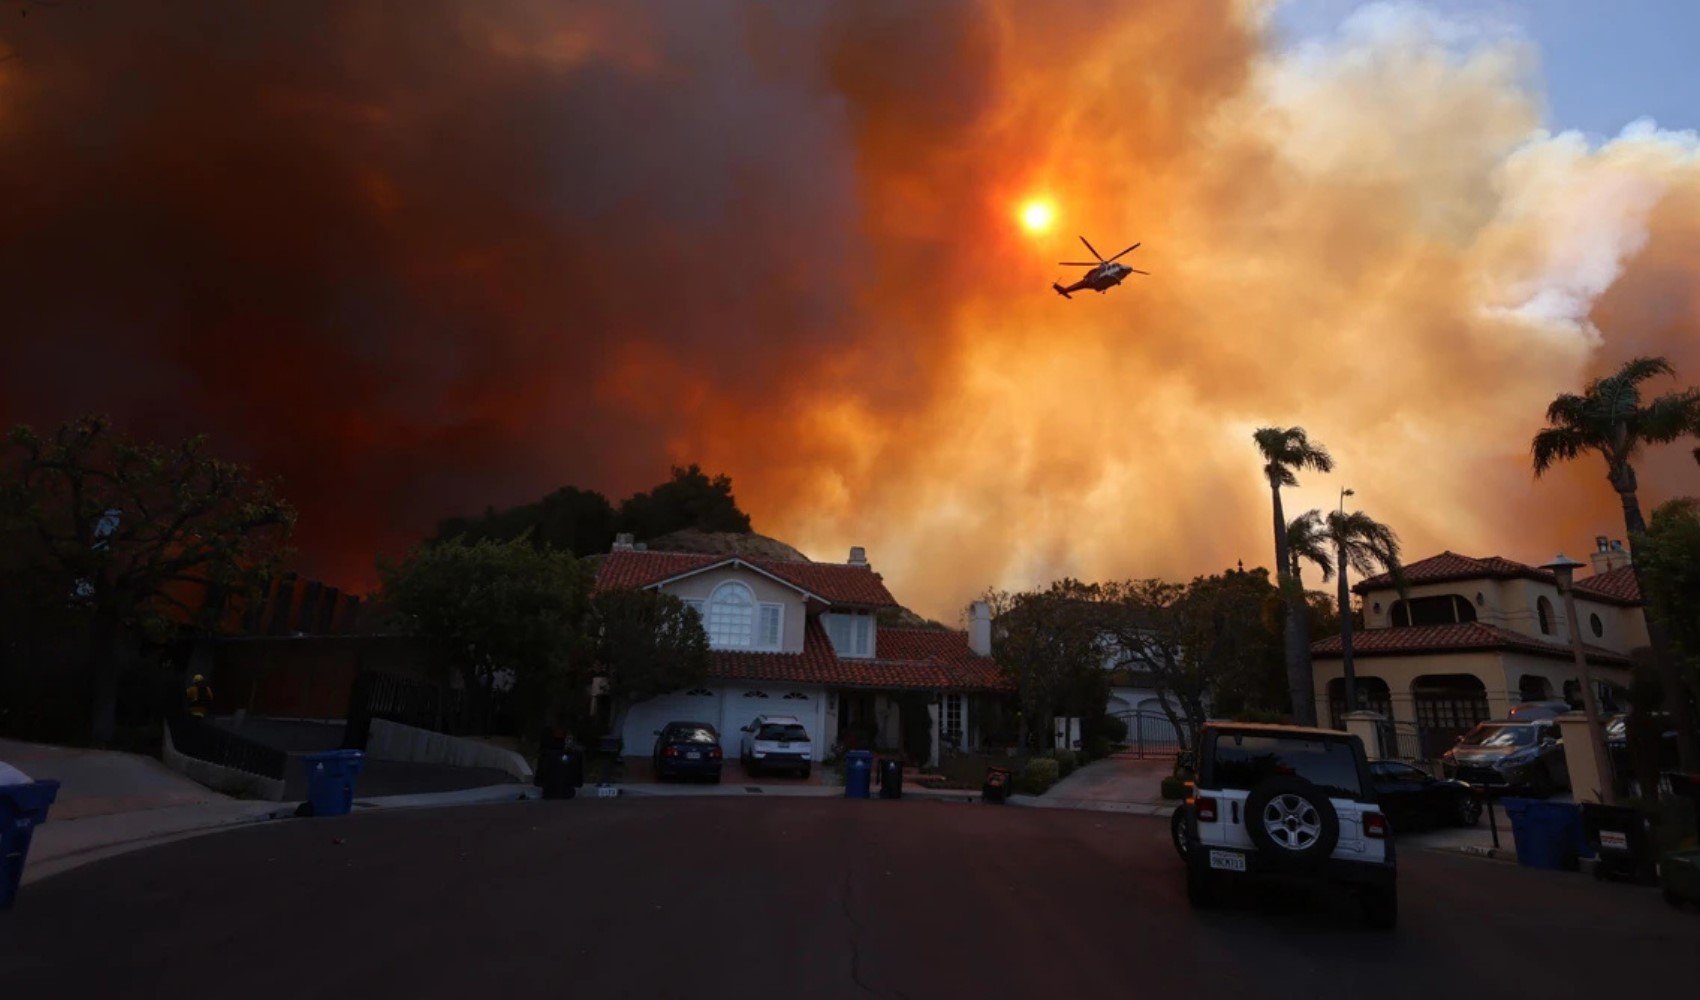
x=776 y=741
x=1286 y=802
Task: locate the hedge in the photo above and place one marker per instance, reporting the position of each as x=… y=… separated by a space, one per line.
x=1038 y=776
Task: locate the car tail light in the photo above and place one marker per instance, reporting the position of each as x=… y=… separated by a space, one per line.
x=670 y=752
x=1204 y=809
x=714 y=753
x=1375 y=826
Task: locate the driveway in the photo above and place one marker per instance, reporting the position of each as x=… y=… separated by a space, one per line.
x=713 y=897
x=1117 y=779
x=104 y=782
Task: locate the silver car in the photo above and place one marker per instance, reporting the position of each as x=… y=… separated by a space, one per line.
x=1512 y=755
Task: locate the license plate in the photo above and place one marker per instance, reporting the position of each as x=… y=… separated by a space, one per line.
x=784 y=746
x=607 y=792
x=693 y=755
x=1227 y=861
x=1612 y=840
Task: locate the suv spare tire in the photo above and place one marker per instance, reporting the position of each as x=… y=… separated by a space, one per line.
x=1292 y=822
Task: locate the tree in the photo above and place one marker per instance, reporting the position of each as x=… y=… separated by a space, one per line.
x=1049 y=643
x=500 y=616
x=1368 y=546
x=689 y=500
x=131 y=539
x=1609 y=419
x=1196 y=640
x=568 y=520
x=1669 y=557
x=1285 y=451
x=648 y=643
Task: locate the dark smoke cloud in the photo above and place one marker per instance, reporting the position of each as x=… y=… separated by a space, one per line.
x=419 y=258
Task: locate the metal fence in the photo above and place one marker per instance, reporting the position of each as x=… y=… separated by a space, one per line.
x=1151 y=734
x=406 y=700
x=202 y=740
x=1403 y=741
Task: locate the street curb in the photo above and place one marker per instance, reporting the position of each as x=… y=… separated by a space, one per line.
x=1092 y=805
x=37 y=870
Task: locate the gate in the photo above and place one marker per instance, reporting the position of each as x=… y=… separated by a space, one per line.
x=1151 y=734
x=1442 y=718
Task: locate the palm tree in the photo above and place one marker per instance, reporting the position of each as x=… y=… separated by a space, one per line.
x=1368 y=546
x=1285 y=451
x=1610 y=419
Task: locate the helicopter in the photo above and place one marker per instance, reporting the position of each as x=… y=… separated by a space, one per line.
x=1105 y=274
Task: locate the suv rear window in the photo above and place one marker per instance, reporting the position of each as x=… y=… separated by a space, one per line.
x=1243 y=760
x=692 y=734
x=787 y=733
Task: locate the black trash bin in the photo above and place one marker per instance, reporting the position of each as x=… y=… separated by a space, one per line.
x=996 y=788
x=549 y=747
x=563 y=772
x=891 y=778
x=1622 y=842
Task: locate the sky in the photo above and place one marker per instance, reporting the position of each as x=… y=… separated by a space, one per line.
x=414 y=260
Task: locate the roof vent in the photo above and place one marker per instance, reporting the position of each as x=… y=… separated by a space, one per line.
x=623 y=542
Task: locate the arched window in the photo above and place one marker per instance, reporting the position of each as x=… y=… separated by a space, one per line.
x=1440 y=609
x=1543 y=614
x=731 y=615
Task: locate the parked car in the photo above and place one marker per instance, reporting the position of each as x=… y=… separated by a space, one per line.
x=1510 y=756
x=687 y=749
x=1288 y=803
x=1414 y=799
x=1549 y=708
x=1623 y=764
x=776 y=742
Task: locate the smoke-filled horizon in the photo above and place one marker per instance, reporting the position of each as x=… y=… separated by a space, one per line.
x=421 y=259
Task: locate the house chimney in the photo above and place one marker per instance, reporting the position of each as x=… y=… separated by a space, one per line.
x=623 y=542
x=980 y=628
x=858 y=556
x=1608 y=554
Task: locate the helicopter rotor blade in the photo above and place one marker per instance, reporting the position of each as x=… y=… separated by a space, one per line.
x=1077 y=263
x=1095 y=253
x=1128 y=250
x=1136 y=270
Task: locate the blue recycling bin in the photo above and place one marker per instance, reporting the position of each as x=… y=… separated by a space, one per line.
x=330 y=781
x=1547 y=834
x=858 y=771
x=22 y=809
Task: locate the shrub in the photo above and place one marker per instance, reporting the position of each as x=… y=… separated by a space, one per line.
x=1038 y=776
x=1113 y=729
x=1067 y=762
x=1096 y=748
x=1174 y=787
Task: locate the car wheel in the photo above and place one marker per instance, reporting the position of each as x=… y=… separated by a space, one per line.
x=1292 y=822
x=1469 y=811
x=1380 y=907
x=1177 y=831
x=714 y=779
x=805 y=773
x=1203 y=889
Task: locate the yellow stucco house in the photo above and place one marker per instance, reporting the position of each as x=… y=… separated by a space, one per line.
x=1472 y=637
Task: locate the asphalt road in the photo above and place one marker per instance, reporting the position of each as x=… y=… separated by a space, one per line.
x=785 y=899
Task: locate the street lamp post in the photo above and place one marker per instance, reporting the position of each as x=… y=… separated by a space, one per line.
x=1564 y=572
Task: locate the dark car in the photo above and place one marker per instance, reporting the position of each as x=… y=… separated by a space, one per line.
x=1413 y=799
x=1510 y=756
x=687 y=750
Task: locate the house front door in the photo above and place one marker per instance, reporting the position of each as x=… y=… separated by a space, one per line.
x=857 y=723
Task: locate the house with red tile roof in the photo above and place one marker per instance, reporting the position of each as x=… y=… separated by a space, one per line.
x=805 y=639
x=1470 y=637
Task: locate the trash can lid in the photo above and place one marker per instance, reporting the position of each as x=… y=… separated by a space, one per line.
x=10 y=775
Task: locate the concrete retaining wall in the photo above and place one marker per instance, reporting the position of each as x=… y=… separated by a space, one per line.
x=219 y=778
x=394 y=741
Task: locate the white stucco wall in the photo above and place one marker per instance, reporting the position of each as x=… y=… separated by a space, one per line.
x=766 y=590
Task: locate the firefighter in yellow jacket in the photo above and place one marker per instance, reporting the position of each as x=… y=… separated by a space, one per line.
x=199 y=695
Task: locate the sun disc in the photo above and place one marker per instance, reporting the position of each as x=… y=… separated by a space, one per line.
x=1037 y=216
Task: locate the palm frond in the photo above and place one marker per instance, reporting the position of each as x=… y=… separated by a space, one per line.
x=1568 y=410
x=1291 y=448
x=1557 y=444
x=1308 y=542
x=1638 y=370
x=1669 y=417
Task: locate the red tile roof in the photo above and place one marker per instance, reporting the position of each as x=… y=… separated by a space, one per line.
x=835 y=583
x=1615 y=587
x=1469 y=637
x=917 y=659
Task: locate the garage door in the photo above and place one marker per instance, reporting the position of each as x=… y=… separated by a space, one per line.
x=742 y=704
x=698 y=705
